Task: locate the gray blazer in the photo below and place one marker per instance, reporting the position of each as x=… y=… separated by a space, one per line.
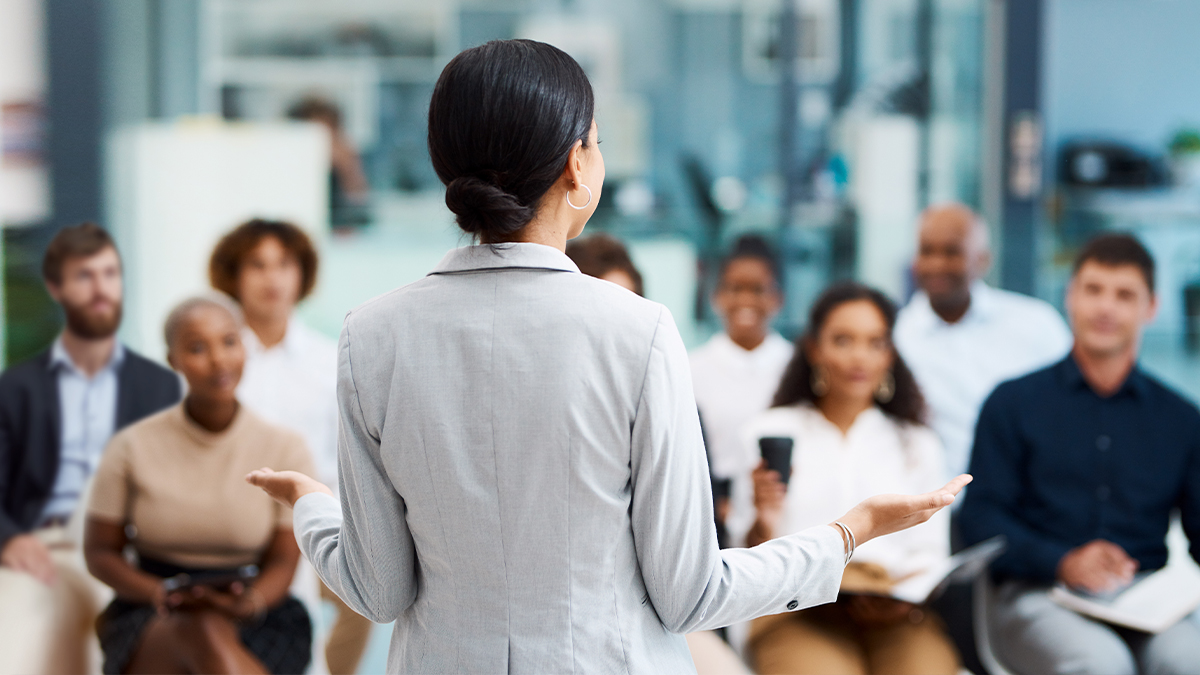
x=523 y=482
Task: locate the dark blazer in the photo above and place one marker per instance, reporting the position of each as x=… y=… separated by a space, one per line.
x=30 y=428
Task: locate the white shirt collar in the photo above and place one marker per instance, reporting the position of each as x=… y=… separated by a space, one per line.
x=59 y=357
x=868 y=419
x=291 y=345
x=726 y=346
x=508 y=255
x=981 y=307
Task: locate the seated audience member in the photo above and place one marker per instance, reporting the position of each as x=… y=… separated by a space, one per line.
x=175 y=482
x=736 y=372
x=57 y=412
x=1079 y=466
x=962 y=337
x=349 y=191
x=854 y=413
x=290 y=378
x=606 y=258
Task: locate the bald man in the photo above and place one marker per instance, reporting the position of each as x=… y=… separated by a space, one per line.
x=962 y=337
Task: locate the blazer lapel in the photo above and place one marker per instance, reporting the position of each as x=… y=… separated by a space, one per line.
x=125 y=393
x=47 y=460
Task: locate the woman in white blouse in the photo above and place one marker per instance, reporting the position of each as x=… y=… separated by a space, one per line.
x=855 y=415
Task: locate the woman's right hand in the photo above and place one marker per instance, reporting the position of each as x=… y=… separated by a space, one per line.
x=286 y=487
x=885 y=514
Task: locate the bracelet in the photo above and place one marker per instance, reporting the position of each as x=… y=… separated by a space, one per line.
x=848 y=536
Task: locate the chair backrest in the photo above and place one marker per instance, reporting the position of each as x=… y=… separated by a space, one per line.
x=982 y=592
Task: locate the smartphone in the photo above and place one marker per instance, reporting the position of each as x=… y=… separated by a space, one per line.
x=219 y=580
x=777 y=451
x=721 y=488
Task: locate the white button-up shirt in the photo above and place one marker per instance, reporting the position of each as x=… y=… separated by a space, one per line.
x=88 y=413
x=732 y=386
x=294 y=385
x=832 y=472
x=1003 y=335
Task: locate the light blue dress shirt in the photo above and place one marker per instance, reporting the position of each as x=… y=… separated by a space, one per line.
x=88 y=410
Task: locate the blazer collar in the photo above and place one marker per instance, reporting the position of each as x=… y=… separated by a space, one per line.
x=504 y=256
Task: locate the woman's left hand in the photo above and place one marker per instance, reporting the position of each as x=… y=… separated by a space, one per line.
x=286 y=486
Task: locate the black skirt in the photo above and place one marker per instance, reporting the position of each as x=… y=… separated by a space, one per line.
x=281 y=638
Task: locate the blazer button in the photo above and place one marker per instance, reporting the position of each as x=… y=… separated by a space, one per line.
x=793 y=604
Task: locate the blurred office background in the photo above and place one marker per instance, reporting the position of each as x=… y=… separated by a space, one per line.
x=826 y=124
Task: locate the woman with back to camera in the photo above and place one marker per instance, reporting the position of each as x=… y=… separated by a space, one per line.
x=523 y=484
x=856 y=417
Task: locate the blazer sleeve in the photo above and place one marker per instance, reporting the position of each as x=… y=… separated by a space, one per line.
x=363 y=551
x=8 y=527
x=693 y=584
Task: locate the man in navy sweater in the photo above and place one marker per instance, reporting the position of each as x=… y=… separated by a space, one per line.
x=1079 y=466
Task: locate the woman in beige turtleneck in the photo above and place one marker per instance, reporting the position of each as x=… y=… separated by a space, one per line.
x=176 y=478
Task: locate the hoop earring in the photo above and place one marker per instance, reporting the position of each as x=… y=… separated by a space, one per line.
x=887 y=388
x=819 y=383
x=585 y=205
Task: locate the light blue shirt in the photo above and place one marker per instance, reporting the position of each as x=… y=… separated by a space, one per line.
x=88 y=410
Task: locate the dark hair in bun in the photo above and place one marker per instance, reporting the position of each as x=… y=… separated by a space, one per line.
x=502 y=121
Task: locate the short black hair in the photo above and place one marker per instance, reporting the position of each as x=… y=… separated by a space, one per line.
x=1117 y=250
x=754 y=247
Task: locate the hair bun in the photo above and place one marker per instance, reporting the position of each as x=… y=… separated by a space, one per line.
x=484 y=208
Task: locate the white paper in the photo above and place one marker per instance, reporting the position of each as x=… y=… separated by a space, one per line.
x=1152 y=604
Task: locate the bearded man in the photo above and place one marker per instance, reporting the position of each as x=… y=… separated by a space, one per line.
x=57 y=412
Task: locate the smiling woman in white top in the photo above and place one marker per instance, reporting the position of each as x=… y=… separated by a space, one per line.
x=854 y=413
x=736 y=373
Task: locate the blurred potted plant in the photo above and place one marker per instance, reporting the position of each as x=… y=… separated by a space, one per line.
x=1185 y=157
